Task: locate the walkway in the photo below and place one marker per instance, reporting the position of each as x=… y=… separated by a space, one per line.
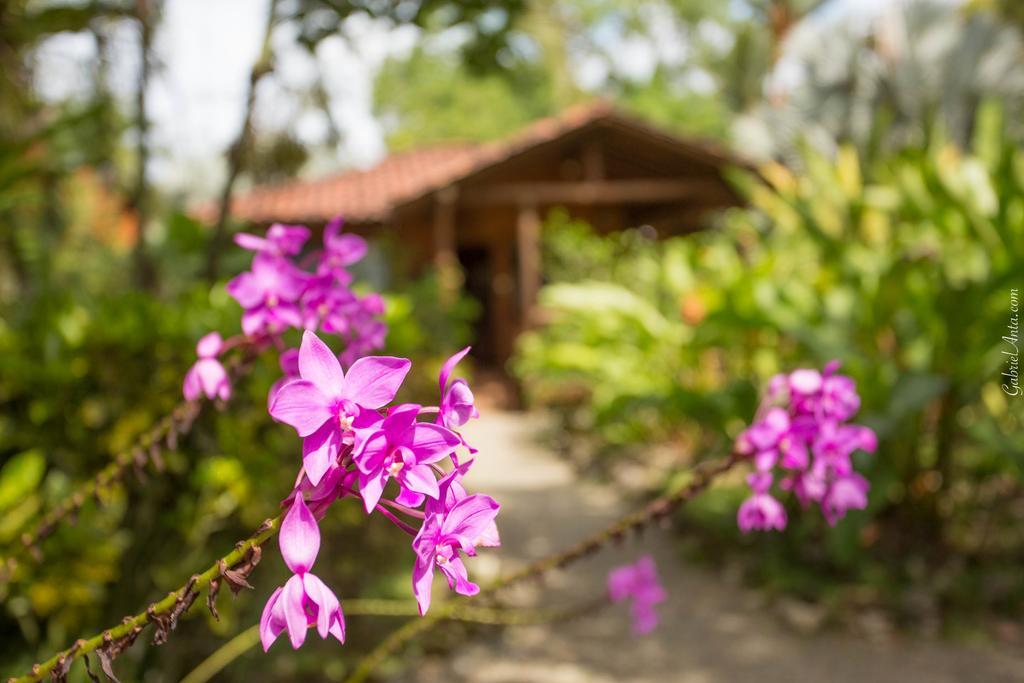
x=712 y=630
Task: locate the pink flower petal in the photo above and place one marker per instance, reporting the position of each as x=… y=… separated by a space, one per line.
x=246 y=290
x=211 y=375
x=210 y=345
x=469 y=519
x=319 y=365
x=373 y=381
x=328 y=608
x=420 y=479
x=320 y=451
x=269 y=629
x=301 y=405
x=449 y=365
x=423 y=569
x=293 y=610
x=431 y=442
x=455 y=571
x=191 y=388
x=372 y=487
x=369 y=455
x=251 y=242
x=300 y=537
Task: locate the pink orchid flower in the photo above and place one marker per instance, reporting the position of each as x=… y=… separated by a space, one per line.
x=280 y=240
x=802 y=430
x=638 y=582
x=304 y=600
x=451 y=491
x=208 y=376
x=457 y=407
x=761 y=511
x=326 y=406
x=340 y=250
x=846 y=493
x=403 y=449
x=268 y=293
x=440 y=540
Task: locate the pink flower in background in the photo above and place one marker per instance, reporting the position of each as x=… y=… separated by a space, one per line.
x=304 y=600
x=457 y=407
x=207 y=377
x=328 y=306
x=402 y=449
x=638 y=582
x=269 y=294
x=280 y=240
x=762 y=512
x=847 y=493
x=443 y=536
x=370 y=337
x=326 y=404
x=289 y=362
x=340 y=250
x=803 y=434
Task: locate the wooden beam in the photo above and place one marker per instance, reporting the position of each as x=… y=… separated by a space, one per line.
x=528 y=256
x=445 y=258
x=595 y=192
x=593 y=161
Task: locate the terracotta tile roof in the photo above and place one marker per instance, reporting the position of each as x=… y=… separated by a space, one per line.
x=363 y=196
x=366 y=196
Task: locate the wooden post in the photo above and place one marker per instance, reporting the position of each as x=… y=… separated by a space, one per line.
x=445 y=258
x=502 y=300
x=528 y=243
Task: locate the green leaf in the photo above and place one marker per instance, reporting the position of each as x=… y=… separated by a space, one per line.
x=20 y=476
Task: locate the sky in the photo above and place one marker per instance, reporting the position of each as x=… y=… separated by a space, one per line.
x=205 y=49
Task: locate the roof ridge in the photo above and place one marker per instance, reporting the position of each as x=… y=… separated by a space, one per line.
x=369 y=194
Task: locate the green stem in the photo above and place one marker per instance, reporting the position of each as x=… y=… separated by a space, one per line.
x=224 y=655
x=250 y=637
x=161 y=608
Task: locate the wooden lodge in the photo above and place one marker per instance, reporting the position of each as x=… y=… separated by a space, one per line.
x=482 y=205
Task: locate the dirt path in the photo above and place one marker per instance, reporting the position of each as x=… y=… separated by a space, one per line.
x=711 y=632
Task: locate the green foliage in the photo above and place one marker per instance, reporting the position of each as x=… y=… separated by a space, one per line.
x=87 y=364
x=902 y=269
x=431 y=98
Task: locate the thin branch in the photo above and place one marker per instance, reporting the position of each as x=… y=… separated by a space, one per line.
x=236 y=153
x=164 y=614
x=659 y=508
x=145 y=450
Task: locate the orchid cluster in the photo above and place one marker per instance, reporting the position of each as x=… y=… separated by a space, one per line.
x=639 y=583
x=278 y=294
x=354 y=446
x=802 y=435
x=353 y=443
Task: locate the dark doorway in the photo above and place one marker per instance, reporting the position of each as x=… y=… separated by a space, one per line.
x=477 y=269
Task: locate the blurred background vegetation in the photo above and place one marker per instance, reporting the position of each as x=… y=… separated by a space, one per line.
x=886 y=228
